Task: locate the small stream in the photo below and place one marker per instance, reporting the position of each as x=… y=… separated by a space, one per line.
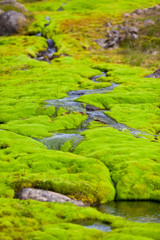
x=137 y=211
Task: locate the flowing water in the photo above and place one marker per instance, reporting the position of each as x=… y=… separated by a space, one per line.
x=138 y=211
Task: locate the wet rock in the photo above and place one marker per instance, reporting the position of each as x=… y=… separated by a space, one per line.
x=14 y=4
x=45 y=196
x=38 y=34
x=149 y=22
x=50 y=43
x=11 y=22
x=156 y=74
x=91 y=108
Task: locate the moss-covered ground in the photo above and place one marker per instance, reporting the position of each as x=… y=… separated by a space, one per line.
x=108 y=164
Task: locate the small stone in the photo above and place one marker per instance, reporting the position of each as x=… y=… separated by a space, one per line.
x=133 y=37
x=114 y=32
x=121 y=27
x=133 y=30
x=108 y=24
x=102 y=42
x=149 y=22
x=126 y=15
x=139 y=11
x=50 y=43
x=134 y=15
x=111 y=43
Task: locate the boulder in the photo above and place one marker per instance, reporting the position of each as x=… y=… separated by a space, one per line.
x=45 y=196
x=14 y=4
x=11 y=22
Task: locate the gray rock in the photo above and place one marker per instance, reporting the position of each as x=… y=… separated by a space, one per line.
x=156 y=74
x=111 y=44
x=126 y=15
x=102 y=42
x=139 y=11
x=108 y=24
x=133 y=36
x=11 y=22
x=133 y=30
x=114 y=32
x=14 y=4
x=157 y=7
x=45 y=196
x=149 y=22
x=50 y=43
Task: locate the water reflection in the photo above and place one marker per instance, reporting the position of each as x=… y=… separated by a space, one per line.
x=137 y=211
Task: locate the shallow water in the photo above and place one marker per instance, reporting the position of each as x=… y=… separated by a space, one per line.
x=136 y=211
x=59 y=139
x=96 y=225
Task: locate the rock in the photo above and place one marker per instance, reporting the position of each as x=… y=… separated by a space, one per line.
x=157 y=7
x=11 y=22
x=50 y=43
x=156 y=74
x=60 y=9
x=126 y=15
x=134 y=15
x=121 y=27
x=14 y=4
x=133 y=36
x=133 y=30
x=149 y=22
x=45 y=196
x=138 y=11
x=102 y=43
x=108 y=24
x=91 y=108
x=20 y=6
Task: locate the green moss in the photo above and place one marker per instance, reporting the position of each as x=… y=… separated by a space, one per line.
x=105 y=157
x=133 y=163
x=27 y=163
x=42 y=126
x=135 y=102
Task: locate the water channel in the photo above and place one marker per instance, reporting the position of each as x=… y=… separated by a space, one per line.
x=138 y=211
